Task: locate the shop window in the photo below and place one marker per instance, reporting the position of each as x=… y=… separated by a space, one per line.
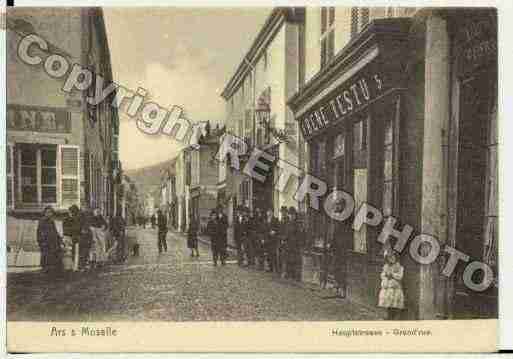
x=360 y=135
x=28 y=169
x=340 y=144
x=360 y=197
x=49 y=175
x=327 y=34
x=388 y=180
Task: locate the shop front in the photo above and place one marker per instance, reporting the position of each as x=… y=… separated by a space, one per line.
x=42 y=160
x=473 y=181
x=350 y=116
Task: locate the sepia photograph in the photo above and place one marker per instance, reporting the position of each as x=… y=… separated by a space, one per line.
x=271 y=166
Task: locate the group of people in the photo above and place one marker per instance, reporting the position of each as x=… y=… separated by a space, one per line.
x=86 y=239
x=260 y=239
x=263 y=240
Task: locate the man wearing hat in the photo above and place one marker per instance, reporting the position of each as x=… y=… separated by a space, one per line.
x=294 y=245
x=270 y=230
x=239 y=233
x=282 y=241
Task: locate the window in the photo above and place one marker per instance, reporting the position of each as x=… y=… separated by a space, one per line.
x=10 y=176
x=388 y=173
x=38 y=173
x=327 y=34
x=29 y=178
x=360 y=197
x=49 y=175
x=360 y=135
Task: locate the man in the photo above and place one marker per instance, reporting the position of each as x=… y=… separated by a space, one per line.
x=238 y=234
x=162 y=231
x=222 y=229
x=118 y=229
x=212 y=232
x=270 y=230
x=72 y=228
x=282 y=242
x=294 y=245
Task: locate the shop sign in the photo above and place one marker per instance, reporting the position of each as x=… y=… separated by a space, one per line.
x=38 y=119
x=343 y=102
x=476 y=41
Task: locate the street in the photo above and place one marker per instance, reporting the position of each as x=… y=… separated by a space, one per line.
x=173 y=287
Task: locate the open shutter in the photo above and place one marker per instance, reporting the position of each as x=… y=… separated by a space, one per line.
x=10 y=176
x=70 y=175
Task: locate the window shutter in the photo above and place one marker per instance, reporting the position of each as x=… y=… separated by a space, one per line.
x=70 y=175
x=10 y=176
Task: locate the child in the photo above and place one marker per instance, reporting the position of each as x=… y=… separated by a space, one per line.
x=391 y=295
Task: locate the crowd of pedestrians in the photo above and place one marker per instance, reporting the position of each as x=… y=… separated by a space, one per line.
x=262 y=241
x=85 y=241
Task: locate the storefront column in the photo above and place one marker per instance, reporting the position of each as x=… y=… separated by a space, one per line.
x=436 y=119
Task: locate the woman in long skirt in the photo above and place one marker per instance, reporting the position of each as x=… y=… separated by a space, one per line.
x=98 y=229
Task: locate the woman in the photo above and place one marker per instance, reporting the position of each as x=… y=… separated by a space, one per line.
x=98 y=229
x=192 y=239
x=50 y=243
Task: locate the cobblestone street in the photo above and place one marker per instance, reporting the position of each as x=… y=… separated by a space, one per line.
x=172 y=286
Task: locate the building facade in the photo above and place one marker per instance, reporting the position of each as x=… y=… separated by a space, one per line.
x=61 y=150
x=398 y=108
x=269 y=73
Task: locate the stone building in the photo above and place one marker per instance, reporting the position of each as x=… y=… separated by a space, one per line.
x=61 y=150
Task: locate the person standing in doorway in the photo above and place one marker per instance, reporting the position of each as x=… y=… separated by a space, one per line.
x=162 y=231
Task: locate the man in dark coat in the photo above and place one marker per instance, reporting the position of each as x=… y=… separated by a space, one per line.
x=50 y=243
x=270 y=231
x=239 y=234
x=162 y=231
x=222 y=229
x=212 y=233
x=282 y=242
x=72 y=227
x=118 y=229
x=252 y=241
x=294 y=245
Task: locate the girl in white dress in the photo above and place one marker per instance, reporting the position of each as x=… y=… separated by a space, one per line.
x=391 y=295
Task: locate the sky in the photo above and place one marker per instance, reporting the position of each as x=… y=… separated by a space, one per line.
x=181 y=56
